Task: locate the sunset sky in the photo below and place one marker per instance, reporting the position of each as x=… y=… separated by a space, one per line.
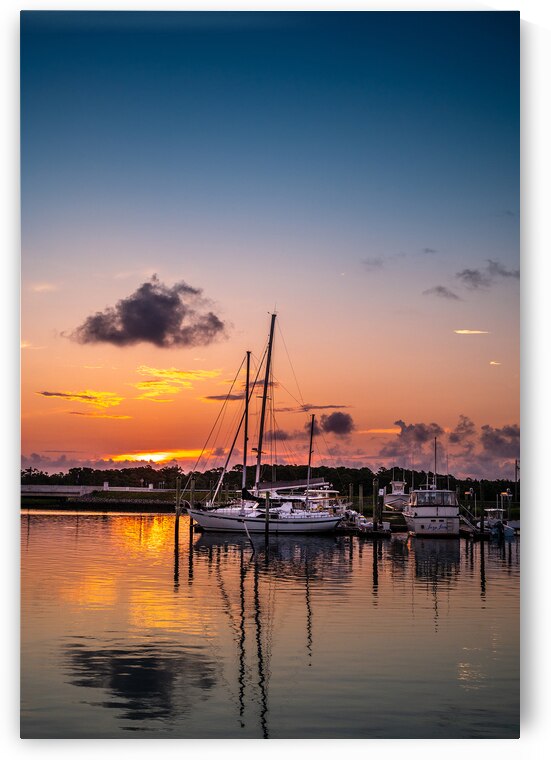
x=185 y=174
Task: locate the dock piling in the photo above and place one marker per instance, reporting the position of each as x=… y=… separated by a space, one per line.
x=375 y=502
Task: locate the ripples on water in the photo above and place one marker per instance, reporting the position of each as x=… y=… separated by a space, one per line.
x=125 y=635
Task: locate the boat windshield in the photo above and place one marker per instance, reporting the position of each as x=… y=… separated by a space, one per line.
x=445 y=498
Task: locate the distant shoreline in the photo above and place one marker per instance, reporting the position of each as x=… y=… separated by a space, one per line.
x=96 y=505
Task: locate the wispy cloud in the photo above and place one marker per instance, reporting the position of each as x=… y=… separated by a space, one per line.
x=430 y=250
x=102 y=399
x=169 y=381
x=311 y=407
x=496 y=269
x=442 y=292
x=373 y=264
x=165 y=316
x=98 y=415
x=225 y=397
x=44 y=287
x=28 y=344
x=475 y=279
x=380 y=431
x=495 y=364
x=471 y=332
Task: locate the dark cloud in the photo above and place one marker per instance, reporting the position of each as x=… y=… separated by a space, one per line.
x=501 y=442
x=463 y=431
x=411 y=438
x=442 y=291
x=338 y=423
x=495 y=269
x=317 y=428
x=280 y=435
x=373 y=264
x=474 y=279
x=430 y=250
x=155 y=313
x=419 y=432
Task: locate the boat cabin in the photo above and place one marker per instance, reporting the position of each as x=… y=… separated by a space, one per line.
x=397 y=487
x=433 y=498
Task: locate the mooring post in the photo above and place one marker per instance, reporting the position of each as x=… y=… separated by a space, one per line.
x=191 y=498
x=481 y=521
x=351 y=494
x=375 y=501
x=267 y=523
x=361 y=498
x=177 y=497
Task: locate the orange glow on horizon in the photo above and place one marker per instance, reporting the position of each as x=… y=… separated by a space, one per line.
x=158 y=456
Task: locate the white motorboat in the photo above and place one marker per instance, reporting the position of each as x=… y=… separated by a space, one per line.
x=397 y=498
x=495 y=523
x=432 y=512
x=270 y=508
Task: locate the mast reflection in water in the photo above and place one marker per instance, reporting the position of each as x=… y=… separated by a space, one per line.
x=131 y=626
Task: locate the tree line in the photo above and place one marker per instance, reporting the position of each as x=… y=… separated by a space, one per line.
x=340 y=478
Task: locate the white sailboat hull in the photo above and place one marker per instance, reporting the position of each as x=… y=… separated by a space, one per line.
x=220 y=520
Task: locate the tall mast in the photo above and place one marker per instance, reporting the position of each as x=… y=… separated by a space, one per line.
x=264 y=398
x=246 y=434
x=310 y=449
x=435 y=461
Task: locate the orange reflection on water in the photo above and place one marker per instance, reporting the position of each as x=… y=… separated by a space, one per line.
x=152 y=534
x=147 y=609
x=93 y=592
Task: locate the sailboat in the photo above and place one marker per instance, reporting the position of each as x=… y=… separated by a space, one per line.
x=269 y=510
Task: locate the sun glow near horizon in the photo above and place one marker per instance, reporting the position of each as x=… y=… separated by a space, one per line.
x=159 y=457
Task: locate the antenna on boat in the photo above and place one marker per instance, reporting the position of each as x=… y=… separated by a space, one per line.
x=246 y=433
x=310 y=450
x=264 y=398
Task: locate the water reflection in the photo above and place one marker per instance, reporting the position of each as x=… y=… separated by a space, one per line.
x=436 y=559
x=437 y=563
x=152 y=620
x=285 y=557
x=146 y=683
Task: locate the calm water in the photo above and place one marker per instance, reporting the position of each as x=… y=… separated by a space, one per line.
x=122 y=636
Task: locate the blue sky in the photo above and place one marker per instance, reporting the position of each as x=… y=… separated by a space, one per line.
x=343 y=167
